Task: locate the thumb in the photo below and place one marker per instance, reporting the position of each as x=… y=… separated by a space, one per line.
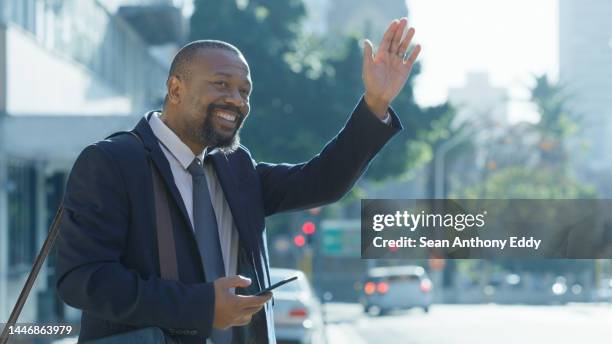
x=367 y=52
x=236 y=281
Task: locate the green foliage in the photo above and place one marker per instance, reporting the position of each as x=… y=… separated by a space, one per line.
x=555 y=119
x=302 y=91
x=520 y=177
x=522 y=182
x=556 y=122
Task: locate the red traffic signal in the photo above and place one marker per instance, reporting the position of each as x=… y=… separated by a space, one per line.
x=299 y=240
x=309 y=228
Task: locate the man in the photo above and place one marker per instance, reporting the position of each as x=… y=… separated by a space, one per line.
x=108 y=265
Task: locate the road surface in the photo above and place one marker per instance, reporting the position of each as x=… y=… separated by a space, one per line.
x=473 y=324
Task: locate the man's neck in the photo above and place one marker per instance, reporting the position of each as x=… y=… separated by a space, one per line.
x=195 y=147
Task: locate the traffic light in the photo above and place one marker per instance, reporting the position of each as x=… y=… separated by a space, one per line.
x=299 y=240
x=306 y=222
x=309 y=228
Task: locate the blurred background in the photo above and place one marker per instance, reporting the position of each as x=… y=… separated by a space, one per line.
x=510 y=99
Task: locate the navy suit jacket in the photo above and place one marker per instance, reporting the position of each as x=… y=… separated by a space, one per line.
x=107 y=259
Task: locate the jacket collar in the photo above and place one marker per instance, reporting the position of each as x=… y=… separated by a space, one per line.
x=225 y=173
x=143 y=129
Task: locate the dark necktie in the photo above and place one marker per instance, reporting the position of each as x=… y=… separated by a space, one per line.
x=207 y=236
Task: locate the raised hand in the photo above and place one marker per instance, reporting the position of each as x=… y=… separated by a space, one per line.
x=385 y=73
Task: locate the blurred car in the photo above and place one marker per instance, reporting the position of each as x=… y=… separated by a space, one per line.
x=559 y=287
x=604 y=292
x=396 y=287
x=564 y=291
x=297 y=311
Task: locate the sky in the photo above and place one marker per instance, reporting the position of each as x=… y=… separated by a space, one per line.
x=512 y=40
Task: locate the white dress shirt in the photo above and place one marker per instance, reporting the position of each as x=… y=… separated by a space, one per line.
x=180 y=157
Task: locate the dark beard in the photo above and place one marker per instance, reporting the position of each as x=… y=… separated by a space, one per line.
x=209 y=137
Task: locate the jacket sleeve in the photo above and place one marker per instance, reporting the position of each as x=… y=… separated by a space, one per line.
x=92 y=239
x=331 y=173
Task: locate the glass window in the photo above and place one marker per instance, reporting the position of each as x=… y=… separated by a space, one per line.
x=22 y=214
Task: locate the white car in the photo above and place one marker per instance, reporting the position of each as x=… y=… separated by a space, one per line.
x=604 y=292
x=297 y=311
x=396 y=287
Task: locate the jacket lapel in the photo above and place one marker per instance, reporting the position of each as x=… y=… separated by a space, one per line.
x=159 y=160
x=229 y=184
x=234 y=198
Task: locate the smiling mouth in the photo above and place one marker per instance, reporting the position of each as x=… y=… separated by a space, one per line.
x=226 y=116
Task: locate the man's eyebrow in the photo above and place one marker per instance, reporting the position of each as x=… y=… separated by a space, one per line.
x=230 y=75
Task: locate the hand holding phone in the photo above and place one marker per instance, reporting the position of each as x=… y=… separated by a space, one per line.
x=276 y=285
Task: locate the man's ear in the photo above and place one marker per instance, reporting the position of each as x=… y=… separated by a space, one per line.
x=175 y=90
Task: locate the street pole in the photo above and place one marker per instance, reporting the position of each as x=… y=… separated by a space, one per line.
x=439 y=194
x=445 y=147
x=439 y=163
x=3 y=237
x=306 y=263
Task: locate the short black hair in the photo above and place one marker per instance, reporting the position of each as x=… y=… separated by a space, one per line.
x=184 y=57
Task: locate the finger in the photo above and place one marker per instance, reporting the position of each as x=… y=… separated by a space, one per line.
x=406 y=41
x=368 y=58
x=252 y=310
x=409 y=63
x=236 y=281
x=253 y=301
x=388 y=36
x=244 y=320
x=397 y=36
x=413 y=56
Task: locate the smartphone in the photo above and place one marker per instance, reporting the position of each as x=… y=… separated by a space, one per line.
x=276 y=285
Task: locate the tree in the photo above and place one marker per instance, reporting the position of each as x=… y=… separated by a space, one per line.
x=530 y=160
x=556 y=123
x=526 y=183
x=303 y=92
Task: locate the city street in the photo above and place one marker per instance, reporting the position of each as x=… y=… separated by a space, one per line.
x=473 y=324
x=293 y=141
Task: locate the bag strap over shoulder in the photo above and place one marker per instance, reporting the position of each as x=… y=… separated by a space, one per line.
x=38 y=263
x=165 y=242
x=168 y=265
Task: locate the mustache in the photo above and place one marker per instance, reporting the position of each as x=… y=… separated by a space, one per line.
x=231 y=108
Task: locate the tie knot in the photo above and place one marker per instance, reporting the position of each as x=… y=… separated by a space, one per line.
x=196 y=168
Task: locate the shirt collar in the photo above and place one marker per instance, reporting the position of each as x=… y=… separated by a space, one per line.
x=181 y=152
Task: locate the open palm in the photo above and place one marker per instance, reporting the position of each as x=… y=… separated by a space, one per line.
x=386 y=72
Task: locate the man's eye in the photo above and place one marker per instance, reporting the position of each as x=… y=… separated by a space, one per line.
x=221 y=83
x=244 y=92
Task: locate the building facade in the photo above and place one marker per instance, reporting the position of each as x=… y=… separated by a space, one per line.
x=585 y=61
x=71 y=72
x=479 y=99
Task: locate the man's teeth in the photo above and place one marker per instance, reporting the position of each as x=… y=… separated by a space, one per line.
x=227 y=116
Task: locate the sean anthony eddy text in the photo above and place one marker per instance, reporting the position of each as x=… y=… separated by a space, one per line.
x=513 y=242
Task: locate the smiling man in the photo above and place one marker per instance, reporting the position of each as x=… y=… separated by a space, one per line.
x=218 y=197
x=208 y=95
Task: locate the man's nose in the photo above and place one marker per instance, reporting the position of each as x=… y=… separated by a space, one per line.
x=235 y=98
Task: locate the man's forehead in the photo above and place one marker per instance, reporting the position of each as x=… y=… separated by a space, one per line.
x=215 y=60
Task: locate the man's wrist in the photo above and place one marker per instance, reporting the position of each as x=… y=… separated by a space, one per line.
x=378 y=106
